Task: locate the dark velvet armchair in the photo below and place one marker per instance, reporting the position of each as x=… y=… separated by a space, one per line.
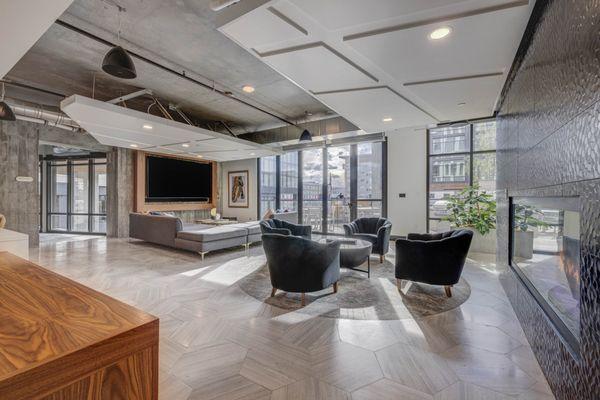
x=285 y=228
x=299 y=265
x=436 y=259
x=374 y=230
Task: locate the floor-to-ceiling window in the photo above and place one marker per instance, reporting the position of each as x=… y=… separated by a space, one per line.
x=328 y=186
x=458 y=156
x=76 y=195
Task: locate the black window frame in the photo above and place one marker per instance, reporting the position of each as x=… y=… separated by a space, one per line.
x=471 y=154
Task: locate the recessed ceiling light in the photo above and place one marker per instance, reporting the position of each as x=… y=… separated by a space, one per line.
x=147 y=127
x=248 y=89
x=199 y=156
x=252 y=154
x=185 y=145
x=461 y=104
x=387 y=119
x=133 y=145
x=440 y=33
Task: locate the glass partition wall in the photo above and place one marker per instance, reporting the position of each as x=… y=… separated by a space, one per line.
x=327 y=186
x=76 y=195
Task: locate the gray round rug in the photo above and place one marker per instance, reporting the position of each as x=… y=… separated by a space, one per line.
x=361 y=298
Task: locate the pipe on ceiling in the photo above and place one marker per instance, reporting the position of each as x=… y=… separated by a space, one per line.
x=218 y=5
x=41 y=116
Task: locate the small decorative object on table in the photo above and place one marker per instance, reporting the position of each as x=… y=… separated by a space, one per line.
x=214 y=214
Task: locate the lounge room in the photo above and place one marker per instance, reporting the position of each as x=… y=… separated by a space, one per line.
x=299 y=199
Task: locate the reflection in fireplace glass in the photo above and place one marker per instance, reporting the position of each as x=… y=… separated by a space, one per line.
x=545 y=249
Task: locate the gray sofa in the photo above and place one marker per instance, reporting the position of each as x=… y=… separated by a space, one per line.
x=170 y=231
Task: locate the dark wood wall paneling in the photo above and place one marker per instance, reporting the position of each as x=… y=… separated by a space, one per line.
x=549 y=145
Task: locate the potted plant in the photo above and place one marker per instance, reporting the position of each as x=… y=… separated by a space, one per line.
x=525 y=217
x=475 y=209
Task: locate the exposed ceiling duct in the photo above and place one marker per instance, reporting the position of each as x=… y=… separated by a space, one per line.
x=39 y=115
x=218 y=5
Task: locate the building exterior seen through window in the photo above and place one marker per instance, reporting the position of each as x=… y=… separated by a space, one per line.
x=458 y=156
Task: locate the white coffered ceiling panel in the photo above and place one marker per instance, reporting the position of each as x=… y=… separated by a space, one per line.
x=367 y=108
x=477 y=95
x=319 y=69
x=263 y=26
x=337 y=14
x=114 y=125
x=482 y=43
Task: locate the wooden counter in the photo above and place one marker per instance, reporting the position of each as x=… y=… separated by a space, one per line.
x=62 y=340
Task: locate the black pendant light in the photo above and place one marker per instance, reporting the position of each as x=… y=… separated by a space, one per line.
x=306 y=136
x=6 y=114
x=117 y=62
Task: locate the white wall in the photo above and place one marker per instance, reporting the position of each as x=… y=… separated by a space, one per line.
x=242 y=214
x=407 y=173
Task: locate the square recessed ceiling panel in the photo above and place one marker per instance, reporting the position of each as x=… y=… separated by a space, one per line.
x=477 y=44
x=263 y=27
x=338 y=14
x=478 y=95
x=118 y=126
x=368 y=107
x=319 y=68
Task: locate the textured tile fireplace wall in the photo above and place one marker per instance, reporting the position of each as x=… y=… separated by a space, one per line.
x=549 y=145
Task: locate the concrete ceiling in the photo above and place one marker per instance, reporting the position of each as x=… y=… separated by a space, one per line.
x=179 y=34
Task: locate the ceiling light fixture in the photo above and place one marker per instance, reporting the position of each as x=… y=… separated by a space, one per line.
x=6 y=114
x=440 y=33
x=185 y=145
x=133 y=145
x=199 y=156
x=117 y=62
x=387 y=119
x=248 y=89
x=305 y=136
x=461 y=104
x=147 y=127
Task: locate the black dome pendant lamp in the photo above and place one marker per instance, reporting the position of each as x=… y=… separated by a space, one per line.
x=6 y=114
x=305 y=136
x=117 y=62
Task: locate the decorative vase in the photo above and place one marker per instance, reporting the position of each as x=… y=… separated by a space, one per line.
x=2 y=221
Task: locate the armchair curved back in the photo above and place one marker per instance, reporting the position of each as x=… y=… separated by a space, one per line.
x=301 y=265
x=281 y=227
x=436 y=259
x=376 y=230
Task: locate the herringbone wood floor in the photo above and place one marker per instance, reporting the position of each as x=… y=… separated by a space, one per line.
x=219 y=343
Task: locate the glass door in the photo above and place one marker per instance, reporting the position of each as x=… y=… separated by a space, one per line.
x=339 y=201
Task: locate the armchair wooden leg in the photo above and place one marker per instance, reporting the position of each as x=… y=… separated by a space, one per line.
x=399 y=283
x=273 y=291
x=381 y=259
x=302 y=299
x=335 y=287
x=448 y=290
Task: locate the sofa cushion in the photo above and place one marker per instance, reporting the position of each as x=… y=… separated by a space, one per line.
x=253 y=227
x=211 y=234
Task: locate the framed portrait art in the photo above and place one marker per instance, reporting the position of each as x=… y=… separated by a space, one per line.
x=238 y=189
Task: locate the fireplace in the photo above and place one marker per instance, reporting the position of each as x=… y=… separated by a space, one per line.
x=545 y=254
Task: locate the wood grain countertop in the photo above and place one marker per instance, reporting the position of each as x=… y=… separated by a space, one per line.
x=56 y=333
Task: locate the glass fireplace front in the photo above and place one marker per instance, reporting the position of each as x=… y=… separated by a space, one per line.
x=545 y=254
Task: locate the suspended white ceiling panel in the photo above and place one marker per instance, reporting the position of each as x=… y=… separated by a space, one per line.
x=319 y=68
x=461 y=98
x=114 y=125
x=264 y=26
x=22 y=23
x=482 y=43
x=337 y=14
x=368 y=107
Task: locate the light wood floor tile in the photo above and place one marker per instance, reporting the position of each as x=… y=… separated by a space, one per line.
x=386 y=389
x=418 y=369
x=371 y=335
x=310 y=389
x=231 y=388
x=467 y=391
x=172 y=388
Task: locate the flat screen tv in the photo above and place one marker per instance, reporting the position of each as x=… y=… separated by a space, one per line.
x=176 y=180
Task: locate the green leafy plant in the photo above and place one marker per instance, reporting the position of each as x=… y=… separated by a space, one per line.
x=526 y=216
x=472 y=208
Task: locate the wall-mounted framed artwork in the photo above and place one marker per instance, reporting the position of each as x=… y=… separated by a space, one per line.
x=238 y=189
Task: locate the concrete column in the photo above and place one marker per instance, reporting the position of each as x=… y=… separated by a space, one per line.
x=19 y=201
x=120 y=171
